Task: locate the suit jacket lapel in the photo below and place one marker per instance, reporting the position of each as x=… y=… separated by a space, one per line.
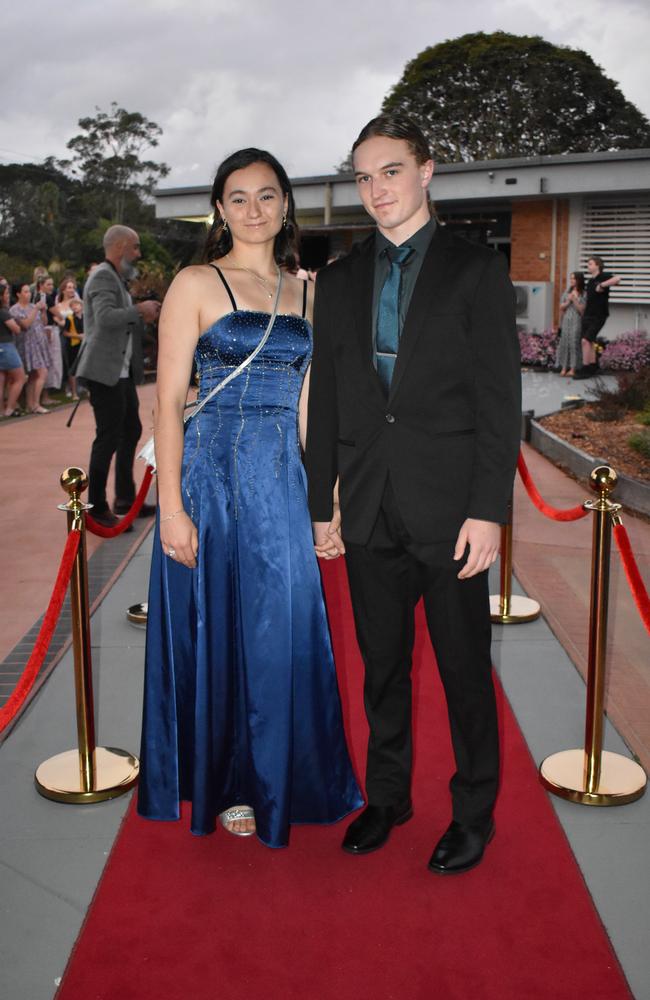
x=429 y=287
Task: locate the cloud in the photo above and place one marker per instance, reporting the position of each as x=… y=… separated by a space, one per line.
x=297 y=78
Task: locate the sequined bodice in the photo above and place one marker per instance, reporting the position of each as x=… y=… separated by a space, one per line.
x=273 y=379
x=247 y=434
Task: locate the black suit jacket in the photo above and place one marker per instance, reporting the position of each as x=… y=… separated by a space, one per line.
x=448 y=434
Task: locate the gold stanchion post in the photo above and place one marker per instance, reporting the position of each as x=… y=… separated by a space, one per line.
x=89 y=773
x=506 y=608
x=593 y=776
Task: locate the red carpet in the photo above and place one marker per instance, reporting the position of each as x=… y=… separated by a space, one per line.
x=179 y=917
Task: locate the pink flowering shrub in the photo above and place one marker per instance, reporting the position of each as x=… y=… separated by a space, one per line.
x=628 y=353
x=538 y=348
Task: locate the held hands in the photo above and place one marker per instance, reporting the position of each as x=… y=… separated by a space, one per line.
x=180 y=537
x=483 y=538
x=328 y=543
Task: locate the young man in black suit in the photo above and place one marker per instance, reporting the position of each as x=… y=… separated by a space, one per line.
x=414 y=407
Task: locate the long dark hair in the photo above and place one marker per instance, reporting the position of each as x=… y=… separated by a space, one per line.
x=219 y=240
x=580 y=281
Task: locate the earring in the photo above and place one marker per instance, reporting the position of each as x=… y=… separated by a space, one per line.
x=224 y=225
x=284 y=220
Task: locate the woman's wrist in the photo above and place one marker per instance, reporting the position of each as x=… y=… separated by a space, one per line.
x=172 y=515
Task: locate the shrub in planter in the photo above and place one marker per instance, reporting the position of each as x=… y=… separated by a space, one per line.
x=538 y=348
x=641 y=443
x=629 y=352
x=631 y=392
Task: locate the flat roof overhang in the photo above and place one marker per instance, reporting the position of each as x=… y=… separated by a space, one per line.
x=624 y=173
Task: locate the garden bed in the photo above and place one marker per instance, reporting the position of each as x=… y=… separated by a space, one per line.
x=602 y=439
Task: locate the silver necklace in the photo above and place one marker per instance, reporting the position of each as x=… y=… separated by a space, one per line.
x=258 y=277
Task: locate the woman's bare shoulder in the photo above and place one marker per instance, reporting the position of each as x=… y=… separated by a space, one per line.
x=194 y=273
x=291 y=281
x=190 y=279
x=297 y=286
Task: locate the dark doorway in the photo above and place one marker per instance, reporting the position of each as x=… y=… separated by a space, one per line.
x=314 y=250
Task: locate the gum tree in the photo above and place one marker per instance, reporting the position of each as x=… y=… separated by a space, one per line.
x=108 y=155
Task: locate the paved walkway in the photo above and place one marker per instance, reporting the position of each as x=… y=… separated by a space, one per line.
x=35 y=450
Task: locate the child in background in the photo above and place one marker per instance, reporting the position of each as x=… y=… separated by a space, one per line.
x=73 y=331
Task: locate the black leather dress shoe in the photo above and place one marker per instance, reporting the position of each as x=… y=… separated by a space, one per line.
x=460 y=848
x=587 y=371
x=107 y=519
x=123 y=507
x=371 y=829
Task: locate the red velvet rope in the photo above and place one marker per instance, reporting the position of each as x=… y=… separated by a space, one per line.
x=42 y=644
x=570 y=514
x=99 y=529
x=633 y=574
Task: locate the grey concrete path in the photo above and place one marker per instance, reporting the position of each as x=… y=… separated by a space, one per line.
x=52 y=855
x=544 y=392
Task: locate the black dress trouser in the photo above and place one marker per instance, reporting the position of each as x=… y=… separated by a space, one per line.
x=387 y=577
x=117 y=432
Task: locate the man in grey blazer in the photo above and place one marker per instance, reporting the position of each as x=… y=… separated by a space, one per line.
x=110 y=363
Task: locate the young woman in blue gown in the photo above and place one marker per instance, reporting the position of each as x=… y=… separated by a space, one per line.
x=242 y=714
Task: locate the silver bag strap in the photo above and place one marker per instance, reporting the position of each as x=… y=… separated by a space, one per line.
x=246 y=362
x=147 y=452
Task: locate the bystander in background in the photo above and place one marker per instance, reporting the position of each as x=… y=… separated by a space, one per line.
x=572 y=306
x=596 y=312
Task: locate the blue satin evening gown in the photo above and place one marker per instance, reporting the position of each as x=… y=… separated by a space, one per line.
x=241 y=701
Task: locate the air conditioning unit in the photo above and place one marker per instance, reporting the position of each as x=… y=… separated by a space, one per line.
x=534 y=304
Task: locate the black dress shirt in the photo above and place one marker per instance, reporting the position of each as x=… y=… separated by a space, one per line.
x=420 y=242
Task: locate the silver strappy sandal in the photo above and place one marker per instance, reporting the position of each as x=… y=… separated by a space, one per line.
x=234 y=814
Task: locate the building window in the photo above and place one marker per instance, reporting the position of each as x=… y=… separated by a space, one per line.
x=619 y=232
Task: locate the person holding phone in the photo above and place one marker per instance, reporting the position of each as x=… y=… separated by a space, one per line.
x=110 y=362
x=33 y=343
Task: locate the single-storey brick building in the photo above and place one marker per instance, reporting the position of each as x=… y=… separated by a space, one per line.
x=548 y=214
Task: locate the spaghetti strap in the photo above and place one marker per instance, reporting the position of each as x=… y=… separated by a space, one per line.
x=226 y=285
x=304 y=299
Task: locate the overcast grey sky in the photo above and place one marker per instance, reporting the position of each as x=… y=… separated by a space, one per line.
x=297 y=77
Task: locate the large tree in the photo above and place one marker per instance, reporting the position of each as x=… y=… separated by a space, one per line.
x=482 y=97
x=108 y=156
x=37 y=210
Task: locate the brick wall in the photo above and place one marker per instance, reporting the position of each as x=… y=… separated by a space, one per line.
x=561 y=256
x=532 y=244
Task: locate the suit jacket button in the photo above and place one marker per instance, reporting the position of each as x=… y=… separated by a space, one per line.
x=390 y=419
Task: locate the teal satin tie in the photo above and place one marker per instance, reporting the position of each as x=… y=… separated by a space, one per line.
x=388 y=314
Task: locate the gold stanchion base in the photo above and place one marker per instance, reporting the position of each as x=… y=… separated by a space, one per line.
x=137 y=614
x=60 y=778
x=522 y=609
x=621 y=780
